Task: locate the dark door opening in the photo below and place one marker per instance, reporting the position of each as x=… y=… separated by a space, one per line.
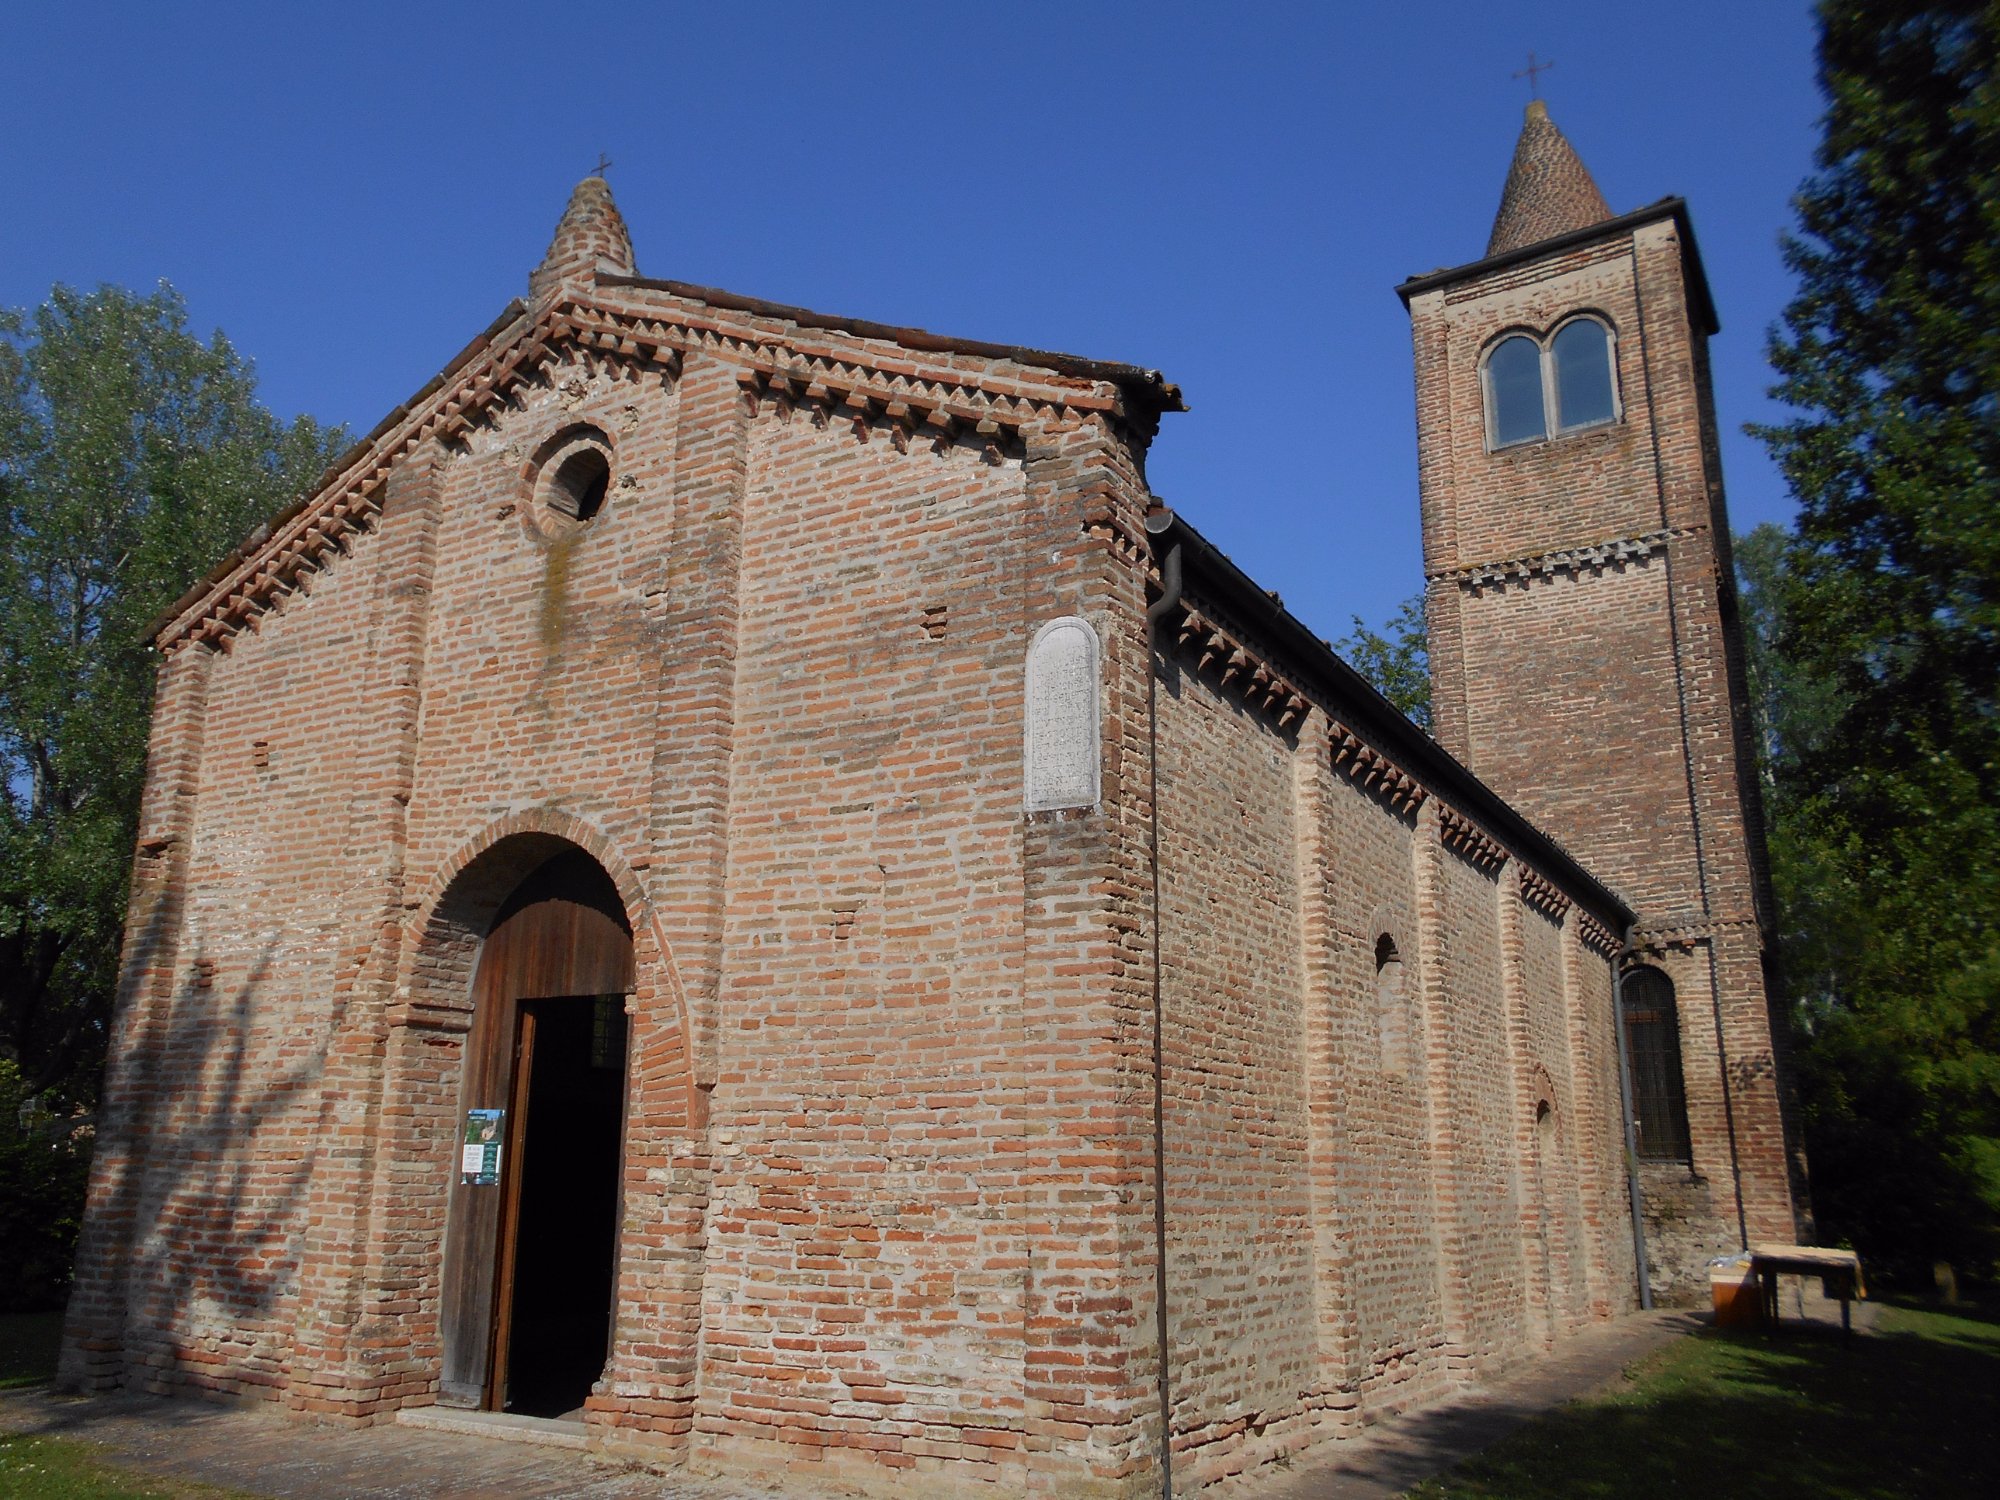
x=553 y=1323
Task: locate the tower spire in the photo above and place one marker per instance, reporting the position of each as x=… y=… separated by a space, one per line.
x=1549 y=191
x=590 y=237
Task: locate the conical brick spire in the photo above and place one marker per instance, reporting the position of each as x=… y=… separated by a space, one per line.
x=1548 y=190
x=590 y=237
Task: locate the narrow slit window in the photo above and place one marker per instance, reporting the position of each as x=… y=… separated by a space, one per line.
x=1653 y=1043
x=1514 y=391
x=1392 y=1011
x=1582 y=355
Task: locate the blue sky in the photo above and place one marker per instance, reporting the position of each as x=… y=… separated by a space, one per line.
x=1229 y=193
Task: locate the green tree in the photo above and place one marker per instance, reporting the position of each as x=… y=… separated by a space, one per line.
x=133 y=457
x=1395 y=659
x=1882 y=727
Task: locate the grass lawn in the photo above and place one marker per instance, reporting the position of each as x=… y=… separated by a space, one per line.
x=1912 y=1410
x=43 y=1468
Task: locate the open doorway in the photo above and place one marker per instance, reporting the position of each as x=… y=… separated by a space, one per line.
x=560 y=1222
x=531 y=1240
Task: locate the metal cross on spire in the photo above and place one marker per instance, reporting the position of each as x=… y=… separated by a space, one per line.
x=604 y=162
x=1531 y=73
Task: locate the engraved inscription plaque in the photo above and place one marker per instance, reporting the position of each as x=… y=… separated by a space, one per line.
x=1062 y=735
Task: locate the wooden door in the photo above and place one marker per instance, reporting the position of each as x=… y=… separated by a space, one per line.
x=563 y=933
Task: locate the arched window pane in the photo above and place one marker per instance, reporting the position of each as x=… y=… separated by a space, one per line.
x=1583 y=375
x=1653 y=1043
x=1514 y=386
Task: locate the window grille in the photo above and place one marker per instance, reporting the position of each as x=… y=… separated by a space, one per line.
x=1653 y=1043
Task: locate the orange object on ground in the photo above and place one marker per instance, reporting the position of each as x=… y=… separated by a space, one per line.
x=1738 y=1298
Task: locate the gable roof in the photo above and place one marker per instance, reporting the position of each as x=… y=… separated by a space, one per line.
x=585 y=296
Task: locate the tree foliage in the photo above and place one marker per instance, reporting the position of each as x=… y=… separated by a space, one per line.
x=44 y=1169
x=133 y=457
x=1875 y=649
x=1395 y=659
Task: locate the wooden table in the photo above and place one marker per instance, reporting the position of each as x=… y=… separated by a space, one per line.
x=1839 y=1272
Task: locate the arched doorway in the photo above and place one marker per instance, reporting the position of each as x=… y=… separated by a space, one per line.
x=531 y=1239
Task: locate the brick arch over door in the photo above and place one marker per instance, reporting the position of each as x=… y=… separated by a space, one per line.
x=457 y=905
x=446 y=927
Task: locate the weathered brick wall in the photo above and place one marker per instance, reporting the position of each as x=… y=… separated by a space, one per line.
x=1474 y=1107
x=1383 y=1334
x=1552 y=1129
x=1240 y=1252
x=221 y=1146
x=866 y=1257
x=1562 y=701
x=1360 y=1214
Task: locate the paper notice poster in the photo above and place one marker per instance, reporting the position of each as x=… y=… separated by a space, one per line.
x=479 y=1159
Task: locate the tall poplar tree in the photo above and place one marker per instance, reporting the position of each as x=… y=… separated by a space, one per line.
x=133 y=457
x=1886 y=794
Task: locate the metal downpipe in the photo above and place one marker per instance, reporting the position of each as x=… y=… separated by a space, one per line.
x=1158 y=521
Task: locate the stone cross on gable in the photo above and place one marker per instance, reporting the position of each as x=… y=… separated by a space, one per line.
x=1532 y=73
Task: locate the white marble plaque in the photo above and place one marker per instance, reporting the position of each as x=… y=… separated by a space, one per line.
x=1063 y=740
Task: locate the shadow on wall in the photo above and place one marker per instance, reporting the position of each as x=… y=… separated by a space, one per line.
x=215 y=1182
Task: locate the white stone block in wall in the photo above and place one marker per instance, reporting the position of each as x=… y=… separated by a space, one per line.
x=1063 y=740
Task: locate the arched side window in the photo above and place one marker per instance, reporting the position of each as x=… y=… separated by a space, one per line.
x=1514 y=391
x=1581 y=355
x=1535 y=391
x=1653 y=1044
x=1392 y=1008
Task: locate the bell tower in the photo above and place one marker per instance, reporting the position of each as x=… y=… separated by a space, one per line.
x=1585 y=655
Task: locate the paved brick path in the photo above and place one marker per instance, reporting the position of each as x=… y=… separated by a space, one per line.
x=265 y=1454
x=262 y=1452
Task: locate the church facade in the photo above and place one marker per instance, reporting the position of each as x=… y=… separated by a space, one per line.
x=731 y=878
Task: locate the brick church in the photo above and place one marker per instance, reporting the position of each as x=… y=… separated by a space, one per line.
x=733 y=888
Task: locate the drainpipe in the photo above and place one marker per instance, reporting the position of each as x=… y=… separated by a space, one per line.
x=1158 y=520
x=1631 y=1132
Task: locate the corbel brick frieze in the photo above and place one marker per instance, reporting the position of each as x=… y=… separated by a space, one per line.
x=933 y=423
x=907 y=401
x=1469 y=841
x=280 y=558
x=1543 y=894
x=1683 y=935
x=1372 y=771
x=1598 y=936
x=1240 y=669
x=1519 y=572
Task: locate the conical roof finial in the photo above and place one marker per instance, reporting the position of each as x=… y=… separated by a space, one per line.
x=1548 y=190
x=590 y=237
